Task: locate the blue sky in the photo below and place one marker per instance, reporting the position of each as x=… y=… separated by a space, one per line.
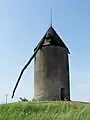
x=22 y=25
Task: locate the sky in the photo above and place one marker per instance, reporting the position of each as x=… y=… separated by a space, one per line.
x=22 y=25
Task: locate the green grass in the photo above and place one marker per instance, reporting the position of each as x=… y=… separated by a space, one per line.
x=52 y=110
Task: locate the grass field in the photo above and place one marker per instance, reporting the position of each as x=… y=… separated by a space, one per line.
x=52 y=110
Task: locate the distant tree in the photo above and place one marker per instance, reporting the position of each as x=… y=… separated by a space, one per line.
x=23 y=99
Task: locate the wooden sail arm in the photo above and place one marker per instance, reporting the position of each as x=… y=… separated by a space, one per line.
x=27 y=64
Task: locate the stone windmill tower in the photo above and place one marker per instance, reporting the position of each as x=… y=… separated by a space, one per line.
x=51 y=68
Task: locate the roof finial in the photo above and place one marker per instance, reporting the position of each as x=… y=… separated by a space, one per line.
x=51 y=18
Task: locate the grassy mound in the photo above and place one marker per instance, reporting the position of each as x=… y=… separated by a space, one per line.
x=45 y=111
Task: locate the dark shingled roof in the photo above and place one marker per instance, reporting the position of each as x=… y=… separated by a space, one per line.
x=55 y=39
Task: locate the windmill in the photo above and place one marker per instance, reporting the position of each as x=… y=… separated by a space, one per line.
x=51 y=68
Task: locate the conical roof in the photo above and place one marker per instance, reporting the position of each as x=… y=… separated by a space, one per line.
x=52 y=38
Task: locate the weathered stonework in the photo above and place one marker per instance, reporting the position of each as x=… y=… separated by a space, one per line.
x=51 y=73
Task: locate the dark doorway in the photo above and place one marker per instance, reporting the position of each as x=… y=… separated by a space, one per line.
x=62 y=93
